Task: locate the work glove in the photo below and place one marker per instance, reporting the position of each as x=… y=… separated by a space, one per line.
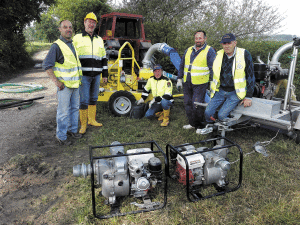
x=150 y=104
x=158 y=99
x=179 y=84
x=140 y=101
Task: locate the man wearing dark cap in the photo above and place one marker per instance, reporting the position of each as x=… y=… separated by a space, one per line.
x=233 y=80
x=194 y=75
x=161 y=89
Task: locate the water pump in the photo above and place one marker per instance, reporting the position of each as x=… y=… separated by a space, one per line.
x=136 y=173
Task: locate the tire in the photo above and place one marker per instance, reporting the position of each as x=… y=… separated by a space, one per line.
x=297 y=139
x=120 y=103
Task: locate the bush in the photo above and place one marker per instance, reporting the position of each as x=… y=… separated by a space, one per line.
x=13 y=56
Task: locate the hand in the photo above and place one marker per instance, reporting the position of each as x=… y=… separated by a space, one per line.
x=104 y=80
x=140 y=101
x=179 y=84
x=150 y=104
x=60 y=85
x=246 y=102
x=158 y=99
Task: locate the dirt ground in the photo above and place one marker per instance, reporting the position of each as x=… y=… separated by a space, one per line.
x=32 y=164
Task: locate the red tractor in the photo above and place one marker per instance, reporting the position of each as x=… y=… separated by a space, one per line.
x=117 y=28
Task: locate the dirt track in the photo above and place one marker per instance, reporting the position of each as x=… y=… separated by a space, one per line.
x=28 y=136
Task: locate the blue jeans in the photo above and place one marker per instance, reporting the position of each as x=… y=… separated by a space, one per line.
x=157 y=107
x=89 y=90
x=227 y=100
x=67 y=112
x=194 y=93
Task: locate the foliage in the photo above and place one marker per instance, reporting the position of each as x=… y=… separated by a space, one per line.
x=162 y=18
x=34 y=47
x=266 y=50
x=47 y=28
x=76 y=10
x=246 y=18
x=14 y=16
x=176 y=21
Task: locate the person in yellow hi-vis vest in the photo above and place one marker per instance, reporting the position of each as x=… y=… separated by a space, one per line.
x=233 y=79
x=93 y=59
x=161 y=89
x=64 y=69
x=194 y=74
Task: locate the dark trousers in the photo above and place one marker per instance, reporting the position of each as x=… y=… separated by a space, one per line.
x=194 y=93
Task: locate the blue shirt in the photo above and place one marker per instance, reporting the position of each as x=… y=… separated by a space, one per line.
x=210 y=57
x=55 y=54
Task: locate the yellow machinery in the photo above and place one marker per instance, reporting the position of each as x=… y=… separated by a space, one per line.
x=122 y=90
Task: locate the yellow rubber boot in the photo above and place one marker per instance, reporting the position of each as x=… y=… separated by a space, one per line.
x=166 y=114
x=92 y=116
x=83 y=114
x=160 y=115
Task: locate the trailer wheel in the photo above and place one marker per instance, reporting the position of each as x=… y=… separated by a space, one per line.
x=120 y=103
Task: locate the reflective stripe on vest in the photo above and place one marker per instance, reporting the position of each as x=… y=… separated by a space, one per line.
x=198 y=69
x=238 y=71
x=69 y=72
x=88 y=49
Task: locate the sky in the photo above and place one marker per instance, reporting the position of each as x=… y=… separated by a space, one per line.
x=291 y=10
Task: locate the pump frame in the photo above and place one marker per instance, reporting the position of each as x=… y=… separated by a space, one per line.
x=193 y=196
x=93 y=185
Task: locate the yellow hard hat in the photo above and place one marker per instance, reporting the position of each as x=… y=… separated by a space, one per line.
x=91 y=16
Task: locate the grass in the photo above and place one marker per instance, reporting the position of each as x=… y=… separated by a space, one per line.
x=34 y=47
x=270 y=187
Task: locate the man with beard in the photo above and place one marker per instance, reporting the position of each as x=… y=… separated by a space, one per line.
x=93 y=59
x=196 y=72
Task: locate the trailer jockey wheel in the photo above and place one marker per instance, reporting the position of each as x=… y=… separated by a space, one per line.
x=297 y=140
x=121 y=102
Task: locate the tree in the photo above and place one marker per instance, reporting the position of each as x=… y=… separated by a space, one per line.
x=175 y=21
x=162 y=18
x=244 y=18
x=47 y=28
x=14 y=16
x=76 y=10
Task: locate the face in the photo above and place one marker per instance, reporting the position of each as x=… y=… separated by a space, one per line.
x=229 y=47
x=157 y=73
x=66 y=29
x=89 y=26
x=200 y=39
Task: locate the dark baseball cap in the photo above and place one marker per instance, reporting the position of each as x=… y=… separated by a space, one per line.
x=228 y=38
x=157 y=67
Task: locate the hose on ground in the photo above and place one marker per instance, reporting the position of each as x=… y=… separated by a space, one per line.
x=19 y=88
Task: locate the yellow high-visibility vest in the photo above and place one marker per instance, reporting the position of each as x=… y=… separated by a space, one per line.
x=198 y=69
x=160 y=87
x=70 y=71
x=90 y=52
x=238 y=72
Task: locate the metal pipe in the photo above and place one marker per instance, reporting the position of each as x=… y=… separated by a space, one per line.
x=147 y=59
x=259 y=60
x=291 y=77
x=274 y=62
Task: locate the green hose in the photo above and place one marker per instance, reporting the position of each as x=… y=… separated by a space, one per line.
x=20 y=88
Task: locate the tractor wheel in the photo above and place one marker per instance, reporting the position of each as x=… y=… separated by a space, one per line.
x=120 y=103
